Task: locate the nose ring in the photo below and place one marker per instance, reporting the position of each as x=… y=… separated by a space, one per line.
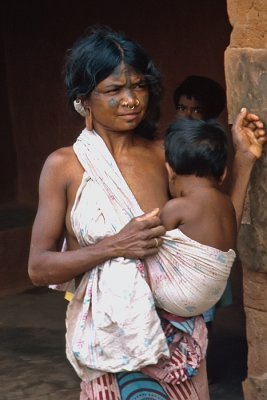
x=137 y=102
x=126 y=104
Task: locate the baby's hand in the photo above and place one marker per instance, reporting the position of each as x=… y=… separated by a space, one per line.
x=249 y=134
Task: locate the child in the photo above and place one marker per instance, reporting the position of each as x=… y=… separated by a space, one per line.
x=199 y=217
x=199 y=97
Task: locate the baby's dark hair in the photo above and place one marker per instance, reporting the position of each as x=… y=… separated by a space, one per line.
x=209 y=93
x=195 y=147
x=95 y=56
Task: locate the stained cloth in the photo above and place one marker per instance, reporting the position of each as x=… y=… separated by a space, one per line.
x=112 y=322
x=182 y=377
x=200 y=272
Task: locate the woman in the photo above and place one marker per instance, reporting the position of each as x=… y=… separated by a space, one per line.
x=104 y=194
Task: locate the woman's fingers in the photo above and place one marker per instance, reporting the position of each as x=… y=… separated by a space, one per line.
x=141 y=236
x=148 y=216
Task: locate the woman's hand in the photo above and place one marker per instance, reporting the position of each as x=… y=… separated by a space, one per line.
x=249 y=135
x=140 y=237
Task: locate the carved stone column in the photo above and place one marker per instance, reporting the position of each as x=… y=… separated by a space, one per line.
x=246 y=81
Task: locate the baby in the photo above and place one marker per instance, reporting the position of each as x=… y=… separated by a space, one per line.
x=190 y=272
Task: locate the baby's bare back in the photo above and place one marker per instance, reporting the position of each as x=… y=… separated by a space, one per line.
x=205 y=215
x=210 y=219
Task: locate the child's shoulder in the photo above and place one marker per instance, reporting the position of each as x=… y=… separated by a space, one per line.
x=218 y=201
x=210 y=198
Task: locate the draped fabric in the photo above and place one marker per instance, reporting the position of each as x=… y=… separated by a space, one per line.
x=200 y=272
x=113 y=324
x=183 y=377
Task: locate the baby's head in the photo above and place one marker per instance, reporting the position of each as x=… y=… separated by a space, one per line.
x=196 y=147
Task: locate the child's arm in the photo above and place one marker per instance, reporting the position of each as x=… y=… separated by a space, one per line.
x=172 y=213
x=249 y=136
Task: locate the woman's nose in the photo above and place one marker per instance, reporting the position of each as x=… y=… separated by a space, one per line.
x=131 y=99
x=129 y=96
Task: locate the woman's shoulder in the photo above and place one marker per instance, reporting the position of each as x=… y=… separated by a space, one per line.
x=61 y=162
x=61 y=158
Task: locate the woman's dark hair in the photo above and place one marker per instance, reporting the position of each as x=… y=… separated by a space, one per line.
x=209 y=93
x=195 y=147
x=94 y=57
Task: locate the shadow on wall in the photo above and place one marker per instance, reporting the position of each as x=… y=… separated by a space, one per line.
x=15 y=232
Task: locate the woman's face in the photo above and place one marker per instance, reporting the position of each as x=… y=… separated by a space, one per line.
x=119 y=102
x=189 y=108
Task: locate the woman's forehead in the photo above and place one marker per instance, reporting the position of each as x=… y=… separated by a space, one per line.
x=123 y=72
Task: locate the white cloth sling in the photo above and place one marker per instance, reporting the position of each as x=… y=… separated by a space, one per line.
x=187 y=277
x=112 y=323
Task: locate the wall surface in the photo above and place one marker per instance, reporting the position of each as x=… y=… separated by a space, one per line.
x=182 y=38
x=246 y=77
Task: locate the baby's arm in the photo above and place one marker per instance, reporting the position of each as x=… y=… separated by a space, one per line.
x=172 y=213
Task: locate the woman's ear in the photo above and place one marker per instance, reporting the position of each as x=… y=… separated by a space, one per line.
x=223 y=176
x=88 y=115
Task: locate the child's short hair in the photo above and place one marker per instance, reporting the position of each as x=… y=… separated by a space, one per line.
x=196 y=147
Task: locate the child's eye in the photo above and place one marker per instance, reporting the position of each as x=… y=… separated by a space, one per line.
x=197 y=110
x=180 y=107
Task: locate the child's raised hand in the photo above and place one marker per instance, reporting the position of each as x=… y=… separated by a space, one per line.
x=249 y=134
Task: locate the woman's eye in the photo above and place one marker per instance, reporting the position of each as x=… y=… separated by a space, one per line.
x=180 y=107
x=112 y=91
x=140 y=85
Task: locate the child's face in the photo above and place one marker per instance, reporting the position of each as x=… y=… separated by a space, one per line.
x=189 y=108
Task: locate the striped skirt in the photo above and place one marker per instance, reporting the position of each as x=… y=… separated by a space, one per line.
x=181 y=377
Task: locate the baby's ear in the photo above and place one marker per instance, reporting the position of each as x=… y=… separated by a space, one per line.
x=223 y=176
x=171 y=173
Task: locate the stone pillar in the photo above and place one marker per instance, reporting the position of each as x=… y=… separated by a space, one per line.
x=246 y=82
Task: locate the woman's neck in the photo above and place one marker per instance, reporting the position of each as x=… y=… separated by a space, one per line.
x=117 y=142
